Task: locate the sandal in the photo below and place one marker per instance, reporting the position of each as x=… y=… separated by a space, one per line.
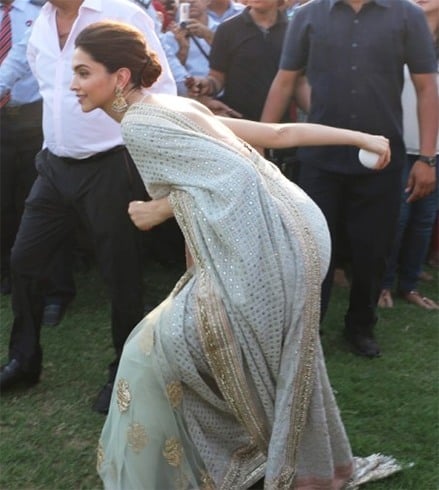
x=415 y=298
x=425 y=276
x=385 y=300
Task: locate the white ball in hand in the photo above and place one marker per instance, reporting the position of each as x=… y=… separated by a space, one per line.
x=368 y=158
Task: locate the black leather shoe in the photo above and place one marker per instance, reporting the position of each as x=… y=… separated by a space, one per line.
x=13 y=375
x=102 y=403
x=53 y=314
x=363 y=345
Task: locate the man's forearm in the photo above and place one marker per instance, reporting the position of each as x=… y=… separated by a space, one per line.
x=279 y=96
x=428 y=115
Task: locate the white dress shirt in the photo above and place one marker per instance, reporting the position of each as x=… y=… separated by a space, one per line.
x=15 y=74
x=69 y=132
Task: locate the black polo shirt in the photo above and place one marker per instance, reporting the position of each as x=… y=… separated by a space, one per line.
x=354 y=63
x=249 y=58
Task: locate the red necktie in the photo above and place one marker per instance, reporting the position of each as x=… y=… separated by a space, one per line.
x=5 y=42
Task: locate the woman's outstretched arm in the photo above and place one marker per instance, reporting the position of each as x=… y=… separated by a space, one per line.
x=277 y=135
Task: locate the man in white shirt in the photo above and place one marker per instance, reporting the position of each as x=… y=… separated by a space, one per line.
x=21 y=138
x=84 y=170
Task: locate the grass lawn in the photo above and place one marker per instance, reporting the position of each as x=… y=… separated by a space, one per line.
x=389 y=405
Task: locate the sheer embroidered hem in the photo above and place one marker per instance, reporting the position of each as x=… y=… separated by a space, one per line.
x=374 y=467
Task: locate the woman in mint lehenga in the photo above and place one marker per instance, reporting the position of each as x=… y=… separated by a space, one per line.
x=224 y=383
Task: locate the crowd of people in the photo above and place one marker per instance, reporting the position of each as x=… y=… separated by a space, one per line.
x=118 y=117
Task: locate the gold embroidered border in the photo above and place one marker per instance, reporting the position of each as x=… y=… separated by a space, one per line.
x=222 y=353
x=219 y=346
x=247 y=466
x=304 y=379
x=181 y=205
x=100 y=456
x=217 y=339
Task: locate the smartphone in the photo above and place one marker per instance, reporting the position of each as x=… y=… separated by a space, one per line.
x=183 y=12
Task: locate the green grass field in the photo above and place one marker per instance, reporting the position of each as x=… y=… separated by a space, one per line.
x=390 y=405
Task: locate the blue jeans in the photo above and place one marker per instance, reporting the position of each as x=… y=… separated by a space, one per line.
x=413 y=236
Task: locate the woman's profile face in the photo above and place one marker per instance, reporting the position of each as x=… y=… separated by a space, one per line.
x=93 y=85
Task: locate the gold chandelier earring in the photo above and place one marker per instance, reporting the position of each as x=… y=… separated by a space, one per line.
x=119 y=103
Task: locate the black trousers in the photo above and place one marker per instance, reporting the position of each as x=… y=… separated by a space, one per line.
x=367 y=207
x=21 y=139
x=97 y=190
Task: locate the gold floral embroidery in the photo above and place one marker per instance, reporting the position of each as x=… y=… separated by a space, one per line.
x=123 y=395
x=137 y=437
x=100 y=456
x=174 y=391
x=173 y=452
x=206 y=481
x=182 y=482
x=146 y=337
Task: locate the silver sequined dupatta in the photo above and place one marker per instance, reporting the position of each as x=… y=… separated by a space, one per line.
x=261 y=249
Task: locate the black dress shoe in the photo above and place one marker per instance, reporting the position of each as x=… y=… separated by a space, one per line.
x=53 y=314
x=13 y=375
x=102 y=403
x=362 y=344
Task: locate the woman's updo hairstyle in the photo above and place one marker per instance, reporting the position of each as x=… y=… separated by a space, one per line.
x=117 y=45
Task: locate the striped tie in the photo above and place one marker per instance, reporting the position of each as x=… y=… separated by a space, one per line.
x=5 y=42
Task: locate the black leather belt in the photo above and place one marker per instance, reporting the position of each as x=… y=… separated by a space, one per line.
x=22 y=110
x=93 y=158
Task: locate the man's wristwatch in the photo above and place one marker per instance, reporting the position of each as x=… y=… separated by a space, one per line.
x=431 y=161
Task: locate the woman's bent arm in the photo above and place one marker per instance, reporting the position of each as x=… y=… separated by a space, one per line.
x=147 y=214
